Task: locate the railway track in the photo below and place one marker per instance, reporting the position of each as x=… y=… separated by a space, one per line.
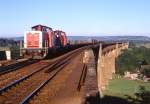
x=65 y=87
x=16 y=66
x=23 y=89
x=17 y=74
x=26 y=99
x=6 y=62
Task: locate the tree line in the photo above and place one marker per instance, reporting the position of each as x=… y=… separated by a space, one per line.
x=131 y=59
x=12 y=45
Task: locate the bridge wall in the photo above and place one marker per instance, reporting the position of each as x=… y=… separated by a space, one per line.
x=106 y=63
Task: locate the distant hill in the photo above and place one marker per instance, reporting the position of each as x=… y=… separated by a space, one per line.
x=111 y=38
x=103 y=38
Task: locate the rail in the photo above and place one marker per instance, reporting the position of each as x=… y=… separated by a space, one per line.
x=82 y=77
x=16 y=66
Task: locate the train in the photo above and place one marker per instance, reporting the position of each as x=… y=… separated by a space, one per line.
x=40 y=40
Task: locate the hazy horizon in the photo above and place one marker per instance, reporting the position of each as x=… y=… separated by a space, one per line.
x=86 y=36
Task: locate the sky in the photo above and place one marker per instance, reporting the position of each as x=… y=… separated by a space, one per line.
x=76 y=17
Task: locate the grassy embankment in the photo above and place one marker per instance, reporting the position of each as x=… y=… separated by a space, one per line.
x=121 y=87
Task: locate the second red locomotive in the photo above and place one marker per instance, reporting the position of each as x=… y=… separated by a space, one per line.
x=40 y=39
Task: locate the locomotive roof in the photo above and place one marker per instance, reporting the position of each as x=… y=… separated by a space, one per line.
x=59 y=31
x=41 y=26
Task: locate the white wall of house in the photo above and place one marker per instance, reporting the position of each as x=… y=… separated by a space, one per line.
x=8 y=55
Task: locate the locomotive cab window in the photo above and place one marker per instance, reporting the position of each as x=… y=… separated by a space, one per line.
x=47 y=29
x=44 y=29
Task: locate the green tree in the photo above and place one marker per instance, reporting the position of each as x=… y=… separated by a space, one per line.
x=132 y=58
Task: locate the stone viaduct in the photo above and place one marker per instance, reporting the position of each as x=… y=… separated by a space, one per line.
x=106 y=62
x=100 y=63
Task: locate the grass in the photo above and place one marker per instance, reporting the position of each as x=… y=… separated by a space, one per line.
x=121 y=87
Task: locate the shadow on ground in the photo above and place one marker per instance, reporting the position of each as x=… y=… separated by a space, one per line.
x=113 y=100
x=145 y=99
x=106 y=100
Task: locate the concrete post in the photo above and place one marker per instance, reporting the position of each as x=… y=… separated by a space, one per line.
x=21 y=47
x=117 y=50
x=99 y=69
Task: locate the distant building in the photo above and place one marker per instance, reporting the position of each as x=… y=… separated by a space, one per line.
x=129 y=75
x=5 y=53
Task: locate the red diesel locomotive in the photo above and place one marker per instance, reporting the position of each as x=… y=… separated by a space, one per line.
x=40 y=40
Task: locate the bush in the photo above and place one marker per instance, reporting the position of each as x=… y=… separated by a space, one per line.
x=142 y=95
